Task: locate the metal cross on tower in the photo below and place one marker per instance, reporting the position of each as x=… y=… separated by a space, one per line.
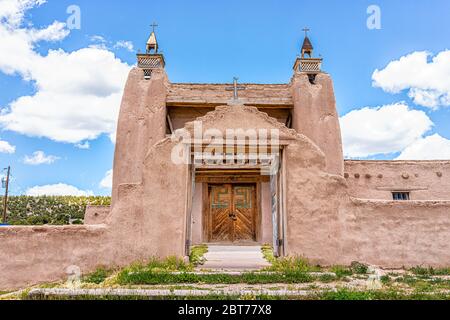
x=306 y=30
x=235 y=88
x=154 y=25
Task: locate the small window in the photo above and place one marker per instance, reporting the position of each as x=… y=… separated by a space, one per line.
x=401 y=196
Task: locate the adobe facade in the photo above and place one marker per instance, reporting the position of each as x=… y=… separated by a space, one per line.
x=305 y=200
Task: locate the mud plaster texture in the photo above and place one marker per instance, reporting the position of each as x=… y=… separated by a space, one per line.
x=332 y=217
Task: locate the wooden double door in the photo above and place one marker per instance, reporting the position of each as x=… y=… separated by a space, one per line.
x=233 y=213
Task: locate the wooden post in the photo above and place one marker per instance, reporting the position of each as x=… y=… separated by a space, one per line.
x=5 y=199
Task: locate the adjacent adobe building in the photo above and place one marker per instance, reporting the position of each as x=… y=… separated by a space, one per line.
x=242 y=164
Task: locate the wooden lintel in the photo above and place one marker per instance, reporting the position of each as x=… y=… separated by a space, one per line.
x=231 y=179
x=213 y=105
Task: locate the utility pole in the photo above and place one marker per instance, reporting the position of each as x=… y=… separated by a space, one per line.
x=5 y=199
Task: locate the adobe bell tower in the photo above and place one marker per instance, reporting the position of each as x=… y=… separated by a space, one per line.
x=151 y=60
x=315 y=114
x=142 y=118
x=309 y=65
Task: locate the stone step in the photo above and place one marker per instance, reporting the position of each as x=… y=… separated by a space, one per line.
x=243 y=258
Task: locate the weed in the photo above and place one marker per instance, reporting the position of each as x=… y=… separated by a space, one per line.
x=326 y=278
x=97 y=277
x=385 y=279
x=359 y=268
x=290 y=264
x=267 y=252
x=422 y=271
x=341 y=271
x=197 y=255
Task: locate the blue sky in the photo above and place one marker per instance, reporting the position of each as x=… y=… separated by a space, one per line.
x=212 y=41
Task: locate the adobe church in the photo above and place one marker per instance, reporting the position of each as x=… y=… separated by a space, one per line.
x=241 y=164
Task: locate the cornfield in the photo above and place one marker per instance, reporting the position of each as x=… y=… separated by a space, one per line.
x=24 y=210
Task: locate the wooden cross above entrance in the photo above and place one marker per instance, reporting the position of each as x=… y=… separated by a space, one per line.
x=235 y=88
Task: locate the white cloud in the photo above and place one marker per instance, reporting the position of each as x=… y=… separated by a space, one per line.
x=433 y=147
x=6 y=147
x=99 y=42
x=106 y=183
x=128 y=45
x=382 y=130
x=60 y=189
x=428 y=81
x=77 y=93
x=84 y=146
x=38 y=158
x=13 y=11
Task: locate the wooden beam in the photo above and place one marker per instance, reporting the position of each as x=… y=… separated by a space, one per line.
x=213 y=105
x=169 y=122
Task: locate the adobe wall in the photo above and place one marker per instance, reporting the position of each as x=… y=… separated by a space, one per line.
x=96 y=214
x=397 y=234
x=315 y=116
x=266 y=214
x=148 y=216
x=217 y=94
x=142 y=123
x=31 y=255
x=425 y=180
x=147 y=220
x=313 y=201
x=328 y=226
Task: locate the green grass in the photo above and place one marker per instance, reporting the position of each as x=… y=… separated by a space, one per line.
x=151 y=277
x=267 y=252
x=346 y=294
x=359 y=268
x=293 y=264
x=385 y=279
x=176 y=272
x=422 y=271
x=341 y=294
x=342 y=271
x=98 y=276
x=424 y=283
x=208 y=297
x=197 y=255
x=326 y=278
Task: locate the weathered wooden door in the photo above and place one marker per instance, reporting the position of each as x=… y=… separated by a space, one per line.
x=233 y=213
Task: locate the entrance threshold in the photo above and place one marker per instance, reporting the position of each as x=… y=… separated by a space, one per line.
x=234 y=258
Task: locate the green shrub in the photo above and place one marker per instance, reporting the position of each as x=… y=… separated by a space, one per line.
x=293 y=264
x=385 y=279
x=422 y=271
x=359 y=268
x=267 y=252
x=152 y=277
x=327 y=278
x=97 y=277
x=197 y=255
x=341 y=271
x=346 y=294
